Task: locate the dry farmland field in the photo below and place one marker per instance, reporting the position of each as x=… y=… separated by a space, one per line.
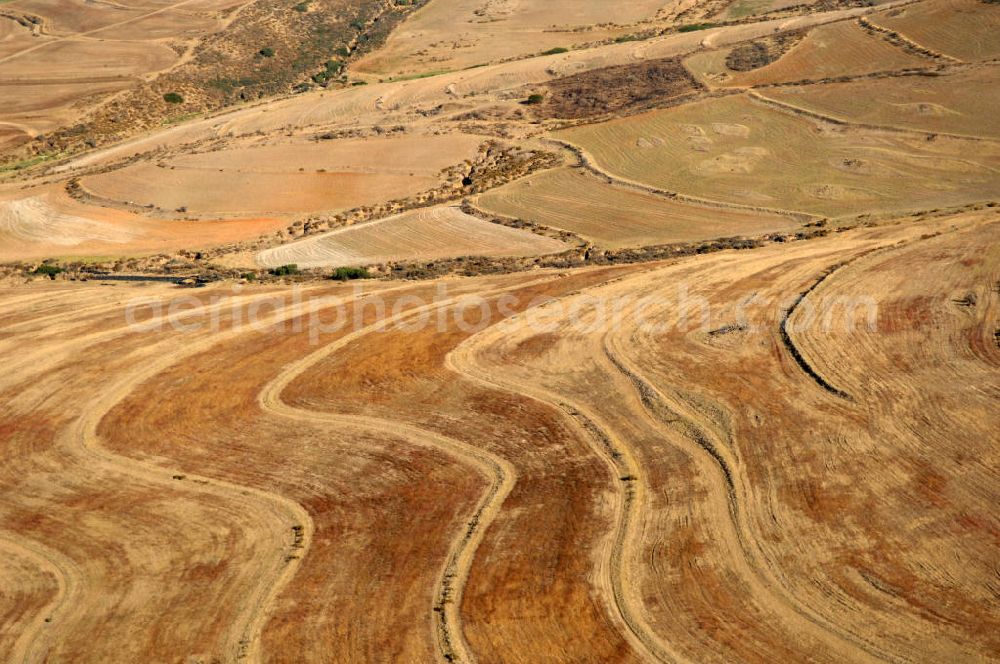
x=615 y=216
x=838 y=49
x=739 y=150
x=959 y=29
x=464 y=33
x=499 y=331
x=427 y=233
x=45 y=222
x=286 y=178
x=953 y=103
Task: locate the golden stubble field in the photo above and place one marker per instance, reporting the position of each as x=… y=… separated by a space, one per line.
x=741 y=150
x=613 y=216
x=425 y=234
x=711 y=376
x=535 y=486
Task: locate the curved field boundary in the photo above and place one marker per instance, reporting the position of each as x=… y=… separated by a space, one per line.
x=786 y=334
x=426 y=234
x=686 y=425
x=244 y=638
x=655 y=404
x=626 y=533
x=929 y=70
x=786 y=337
x=903 y=42
x=621 y=463
x=68 y=579
x=498 y=471
x=587 y=162
x=243 y=641
x=473 y=210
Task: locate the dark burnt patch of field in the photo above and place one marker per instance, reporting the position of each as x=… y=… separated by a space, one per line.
x=762 y=52
x=615 y=89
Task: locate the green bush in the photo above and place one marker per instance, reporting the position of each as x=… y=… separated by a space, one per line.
x=266 y=52
x=555 y=51
x=535 y=99
x=173 y=98
x=48 y=270
x=349 y=273
x=285 y=270
x=693 y=27
x=331 y=70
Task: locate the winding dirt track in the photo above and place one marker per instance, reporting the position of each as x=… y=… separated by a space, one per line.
x=560 y=483
x=500 y=473
x=621 y=464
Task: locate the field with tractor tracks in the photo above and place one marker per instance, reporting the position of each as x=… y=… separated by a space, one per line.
x=499 y=331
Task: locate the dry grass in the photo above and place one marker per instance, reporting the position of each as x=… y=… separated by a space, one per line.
x=296 y=177
x=427 y=234
x=964 y=29
x=415 y=101
x=134 y=18
x=77 y=52
x=782 y=453
x=456 y=35
x=615 y=216
x=745 y=8
x=839 y=49
x=739 y=151
x=959 y=102
x=235 y=193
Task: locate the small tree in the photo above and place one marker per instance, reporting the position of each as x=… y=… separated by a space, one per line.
x=173 y=98
x=535 y=99
x=266 y=52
